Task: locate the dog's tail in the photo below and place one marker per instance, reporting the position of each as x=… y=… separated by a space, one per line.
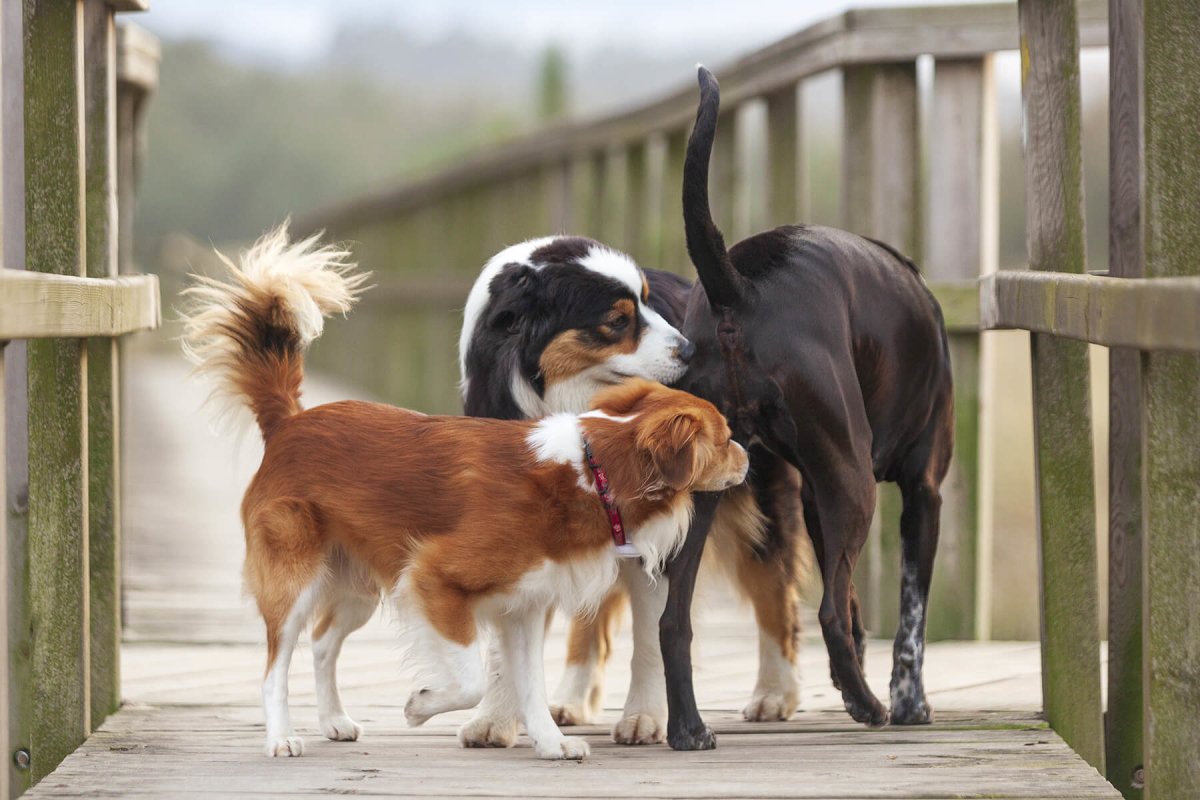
x=249 y=331
x=725 y=286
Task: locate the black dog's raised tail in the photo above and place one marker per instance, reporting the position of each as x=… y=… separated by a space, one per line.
x=706 y=246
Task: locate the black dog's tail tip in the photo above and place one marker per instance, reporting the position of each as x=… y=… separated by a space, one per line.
x=708 y=81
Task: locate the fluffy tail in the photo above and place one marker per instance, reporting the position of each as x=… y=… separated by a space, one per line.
x=723 y=284
x=249 y=332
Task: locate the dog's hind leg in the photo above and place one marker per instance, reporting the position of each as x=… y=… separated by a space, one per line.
x=349 y=600
x=448 y=646
x=580 y=693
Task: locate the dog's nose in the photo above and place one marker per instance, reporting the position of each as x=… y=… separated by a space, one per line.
x=685 y=350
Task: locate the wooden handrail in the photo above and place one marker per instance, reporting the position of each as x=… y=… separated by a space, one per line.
x=1142 y=313
x=35 y=305
x=871 y=35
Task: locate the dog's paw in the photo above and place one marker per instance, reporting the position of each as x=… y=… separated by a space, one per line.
x=701 y=738
x=341 y=728
x=640 y=729
x=771 y=707
x=285 y=747
x=911 y=711
x=569 y=748
x=414 y=710
x=568 y=715
x=488 y=732
x=873 y=716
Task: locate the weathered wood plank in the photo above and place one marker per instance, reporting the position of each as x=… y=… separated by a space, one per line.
x=783 y=156
x=855 y=37
x=100 y=184
x=1123 y=720
x=1158 y=314
x=954 y=250
x=1171 y=466
x=176 y=752
x=54 y=242
x=5 y=708
x=1062 y=423
x=881 y=199
x=44 y=306
x=672 y=248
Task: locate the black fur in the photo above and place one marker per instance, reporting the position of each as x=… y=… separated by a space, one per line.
x=829 y=350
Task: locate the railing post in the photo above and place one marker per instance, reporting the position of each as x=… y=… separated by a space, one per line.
x=673 y=252
x=614 y=196
x=784 y=177
x=1054 y=227
x=1123 y=719
x=1171 y=467
x=881 y=199
x=137 y=76
x=58 y=457
x=956 y=250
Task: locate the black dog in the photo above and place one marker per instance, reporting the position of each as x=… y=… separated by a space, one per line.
x=829 y=350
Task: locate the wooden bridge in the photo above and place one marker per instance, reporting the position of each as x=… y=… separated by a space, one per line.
x=1015 y=720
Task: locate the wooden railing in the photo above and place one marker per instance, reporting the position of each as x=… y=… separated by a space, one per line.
x=619 y=179
x=61 y=309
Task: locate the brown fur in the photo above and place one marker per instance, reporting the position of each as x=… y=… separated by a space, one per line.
x=570 y=353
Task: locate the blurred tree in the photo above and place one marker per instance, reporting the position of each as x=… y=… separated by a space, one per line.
x=552 y=84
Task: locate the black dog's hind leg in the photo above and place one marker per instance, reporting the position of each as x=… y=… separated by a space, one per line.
x=918 y=542
x=685 y=729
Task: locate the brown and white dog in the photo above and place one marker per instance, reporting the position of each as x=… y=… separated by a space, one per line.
x=463 y=523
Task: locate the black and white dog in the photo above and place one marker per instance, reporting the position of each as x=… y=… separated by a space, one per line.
x=548 y=324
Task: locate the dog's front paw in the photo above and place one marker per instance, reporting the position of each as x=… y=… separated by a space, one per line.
x=873 y=716
x=771 y=707
x=911 y=711
x=341 y=728
x=569 y=748
x=488 y=732
x=640 y=729
x=285 y=746
x=701 y=738
x=568 y=715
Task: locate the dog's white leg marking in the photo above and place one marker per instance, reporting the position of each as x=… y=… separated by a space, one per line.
x=349 y=614
x=777 y=693
x=495 y=724
x=458 y=664
x=644 y=720
x=281 y=740
x=907 y=687
x=522 y=633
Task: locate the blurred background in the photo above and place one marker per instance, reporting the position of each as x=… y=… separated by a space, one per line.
x=322 y=110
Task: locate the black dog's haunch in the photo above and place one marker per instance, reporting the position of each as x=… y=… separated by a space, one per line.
x=829 y=350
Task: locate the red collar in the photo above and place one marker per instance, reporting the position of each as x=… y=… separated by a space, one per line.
x=624 y=549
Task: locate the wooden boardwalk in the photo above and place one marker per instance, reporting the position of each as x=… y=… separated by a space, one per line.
x=192 y=727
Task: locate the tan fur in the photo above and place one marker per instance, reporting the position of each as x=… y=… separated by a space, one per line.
x=597 y=631
x=570 y=353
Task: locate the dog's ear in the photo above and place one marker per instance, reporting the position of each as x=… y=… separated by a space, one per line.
x=517 y=293
x=669 y=438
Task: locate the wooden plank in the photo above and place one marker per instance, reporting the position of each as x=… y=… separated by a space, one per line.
x=959 y=300
x=723 y=175
x=5 y=710
x=46 y=306
x=172 y=752
x=16 y=423
x=783 y=156
x=1158 y=314
x=954 y=250
x=104 y=526
x=673 y=250
x=138 y=57
x=635 y=207
x=54 y=242
x=614 y=196
x=855 y=37
x=1171 y=459
x=1054 y=228
x=881 y=199
x=1123 y=720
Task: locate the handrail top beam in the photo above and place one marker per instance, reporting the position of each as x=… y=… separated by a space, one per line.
x=38 y=305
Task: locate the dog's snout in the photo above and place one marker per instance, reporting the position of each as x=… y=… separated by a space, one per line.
x=685 y=350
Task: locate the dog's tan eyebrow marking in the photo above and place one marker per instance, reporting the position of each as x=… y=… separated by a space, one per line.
x=645 y=289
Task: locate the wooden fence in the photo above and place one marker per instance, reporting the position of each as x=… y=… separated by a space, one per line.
x=619 y=178
x=67 y=73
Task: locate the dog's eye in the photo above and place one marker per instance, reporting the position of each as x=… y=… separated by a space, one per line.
x=618 y=323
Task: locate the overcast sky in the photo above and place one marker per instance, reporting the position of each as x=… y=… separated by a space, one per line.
x=294 y=30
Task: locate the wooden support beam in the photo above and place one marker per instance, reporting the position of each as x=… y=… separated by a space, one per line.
x=673 y=253
x=784 y=178
x=1123 y=720
x=881 y=199
x=954 y=251
x=1171 y=425
x=1054 y=228
x=58 y=483
x=103 y=365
